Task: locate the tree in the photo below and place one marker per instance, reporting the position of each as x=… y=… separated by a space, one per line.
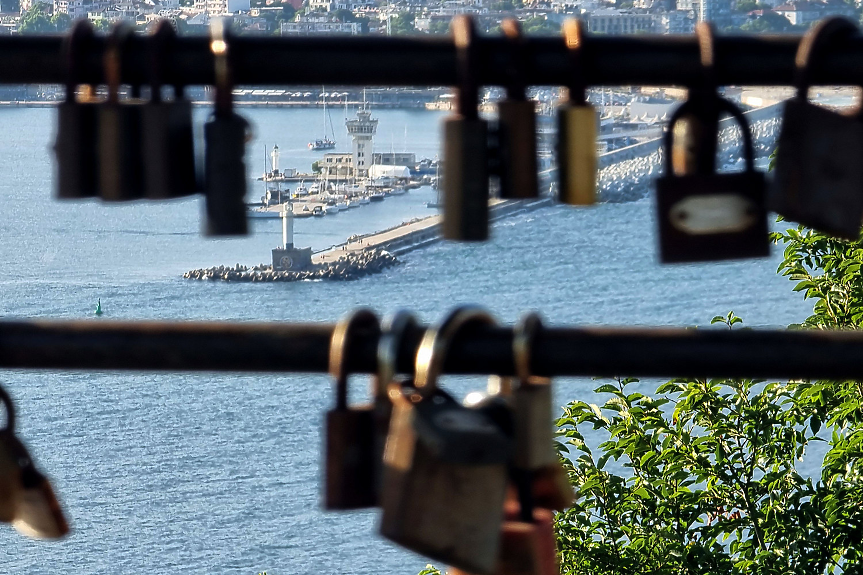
x=61 y=22
x=539 y=26
x=402 y=23
x=769 y=22
x=439 y=27
x=35 y=20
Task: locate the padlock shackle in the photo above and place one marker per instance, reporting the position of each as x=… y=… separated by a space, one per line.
x=220 y=40
x=113 y=58
x=722 y=105
x=813 y=47
x=362 y=319
x=393 y=329
x=435 y=343
x=517 y=60
x=162 y=42
x=575 y=36
x=74 y=46
x=707 y=84
x=466 y=44
x=523 y=340
x=10 y=410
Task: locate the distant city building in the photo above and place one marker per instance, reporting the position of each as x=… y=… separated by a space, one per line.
x=313 y=24
x=362 y=131
x=804 y=13
x=674 y=22
x=613 y=22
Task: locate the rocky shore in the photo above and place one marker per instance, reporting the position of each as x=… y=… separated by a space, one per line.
x=350 y=267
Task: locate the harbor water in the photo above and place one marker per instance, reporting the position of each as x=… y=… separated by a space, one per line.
x=220 y=473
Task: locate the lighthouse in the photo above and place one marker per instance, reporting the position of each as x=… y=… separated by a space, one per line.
x=362 y=131
x=274 y=160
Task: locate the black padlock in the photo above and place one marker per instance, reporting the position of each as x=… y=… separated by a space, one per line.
x=704 y=215
x=716 y=216
x=225 y=136
x=168 y=138
x=351 y=475
x=465 y=177
x=121 y=163
x=76 y=142
x=577 y=127
x=819 y=175
x=516 y=124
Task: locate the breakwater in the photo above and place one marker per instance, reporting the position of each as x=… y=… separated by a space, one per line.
x=351 y=266
x=627 y=174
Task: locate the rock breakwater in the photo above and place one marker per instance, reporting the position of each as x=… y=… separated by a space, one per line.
x=349 y=267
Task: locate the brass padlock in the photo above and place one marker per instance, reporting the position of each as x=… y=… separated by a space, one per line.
x=27 y=500
x=819 y=175
x=168 y=139
x=225 y=137
x=121 y=164
x=76 y=142
x=704 y=215
x=445 y=464
x=465 y=176
x=577 y=123
x=351 y=470
x=516 y=124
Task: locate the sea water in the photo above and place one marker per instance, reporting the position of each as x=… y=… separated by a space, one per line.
x=220 y=473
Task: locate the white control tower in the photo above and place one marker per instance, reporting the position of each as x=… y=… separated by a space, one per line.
x=362 y=131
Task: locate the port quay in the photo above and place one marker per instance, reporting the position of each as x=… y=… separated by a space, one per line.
x=356 y=178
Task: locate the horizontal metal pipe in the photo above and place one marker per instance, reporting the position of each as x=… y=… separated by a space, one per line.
x=281 y=347
x=430 y=61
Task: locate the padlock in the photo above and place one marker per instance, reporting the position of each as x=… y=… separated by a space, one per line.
x=819 y=175
x=704 y=215
x=76 y=143
x=445 y=465
x=351 y=470
x=535 y=456
x=168 y=139
x=465 y=176
x=516 y=124
x=577 y=123
x=27 y=499
x=387 y=386
x=225 y=136
x=121 y=164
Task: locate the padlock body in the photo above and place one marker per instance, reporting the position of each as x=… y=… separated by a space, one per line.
x=711 y=217
x=121 y=167
x=516 y=126
x=465 y=179
x=576 y=155
x=534 y=436
x=168 y=148
x=436 y=504
x=225 y=175
x=76 y=150
x=819 y=175
x=351 y=467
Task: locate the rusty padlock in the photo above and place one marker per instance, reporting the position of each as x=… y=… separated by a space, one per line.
x=465 y=162
x=819 y=175
x=27 y=499
x=577 y=123
x=167 y=128
x=121 y=163
x=225 y=137
x=445 y=465
x=516 y=123
x=704 y=215
x=351 y=469
x=77 y=133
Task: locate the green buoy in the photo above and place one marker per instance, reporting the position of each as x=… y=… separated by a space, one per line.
x=99 y=307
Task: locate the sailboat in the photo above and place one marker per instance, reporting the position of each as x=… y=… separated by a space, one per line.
x=326 y=143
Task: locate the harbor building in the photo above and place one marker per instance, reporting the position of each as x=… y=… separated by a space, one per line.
x=362 y=130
